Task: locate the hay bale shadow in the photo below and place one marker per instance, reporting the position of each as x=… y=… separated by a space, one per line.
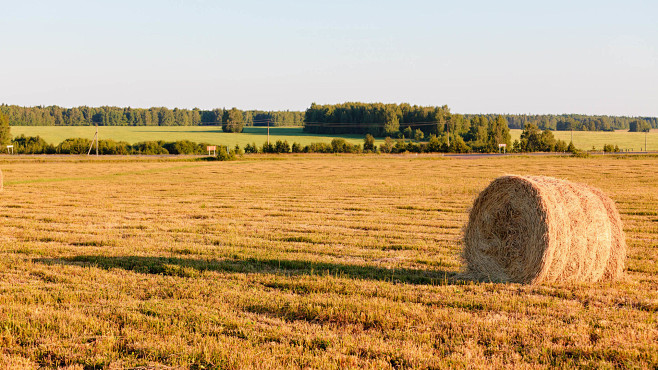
x=190 y=267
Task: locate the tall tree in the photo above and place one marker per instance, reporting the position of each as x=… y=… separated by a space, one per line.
x=5 y=129
x=369 y=143
x=530 y=138
x=498 y=133
x=639 y=126
x=477 y=133
x=392 y=125
x=233 y=120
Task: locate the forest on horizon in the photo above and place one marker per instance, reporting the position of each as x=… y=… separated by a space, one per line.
x=331 y=118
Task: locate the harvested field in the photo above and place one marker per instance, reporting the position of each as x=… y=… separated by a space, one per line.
x=301 y=261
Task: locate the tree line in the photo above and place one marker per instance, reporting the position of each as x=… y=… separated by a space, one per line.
x=377 y=119
x=532 y=140
x=37 y=145
x=155 y=116
x=479 y=132
x=347 y=118
x=482 y=135
x=400 y=121
x=576 y=122
x=387 y=119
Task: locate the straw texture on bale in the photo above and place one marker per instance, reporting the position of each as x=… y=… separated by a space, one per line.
x=536 y=229
x=2 y=181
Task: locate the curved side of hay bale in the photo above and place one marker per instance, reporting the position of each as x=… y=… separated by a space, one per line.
x=617 y=261
x=2 y=181
x=533 y=229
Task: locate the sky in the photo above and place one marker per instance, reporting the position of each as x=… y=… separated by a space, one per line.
x=538 y=57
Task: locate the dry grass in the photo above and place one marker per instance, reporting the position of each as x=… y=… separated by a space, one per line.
x=311 y=261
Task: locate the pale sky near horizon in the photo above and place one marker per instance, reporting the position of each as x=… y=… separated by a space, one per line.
x=590 y=57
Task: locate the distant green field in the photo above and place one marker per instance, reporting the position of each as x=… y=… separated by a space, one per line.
x=587 y=139
x=200 y=134
x=214 y=135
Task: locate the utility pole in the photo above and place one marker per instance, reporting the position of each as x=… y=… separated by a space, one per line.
x=92 y=142
x=645 y=141
x=268 y=131
x=448 y=129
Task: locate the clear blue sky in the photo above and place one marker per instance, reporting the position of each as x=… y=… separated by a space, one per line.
x=593 y=57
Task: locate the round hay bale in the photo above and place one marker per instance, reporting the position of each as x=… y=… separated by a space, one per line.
x=536 y=229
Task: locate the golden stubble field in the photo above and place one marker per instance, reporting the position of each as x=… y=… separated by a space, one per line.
x=300 y=262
